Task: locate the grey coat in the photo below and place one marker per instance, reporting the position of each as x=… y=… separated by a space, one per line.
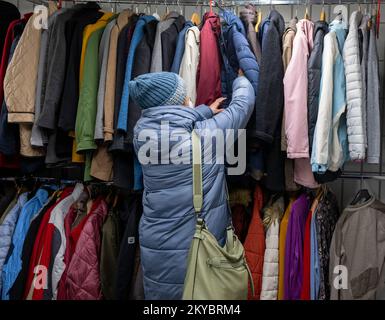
x=156 y=61
x=38 y=136
x=104 y=49
x=373 y=103
x=168 y=222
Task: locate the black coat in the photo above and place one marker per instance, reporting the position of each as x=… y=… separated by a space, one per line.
x=314 y=77
x=8 y=13
x=169 y=39
x=69 y=102
x=270 y=102
x=7 y=194
x=130 y=211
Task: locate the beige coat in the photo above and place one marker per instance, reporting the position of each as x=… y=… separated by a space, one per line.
x=20 y=85
x=109 y=96
x=358 y=248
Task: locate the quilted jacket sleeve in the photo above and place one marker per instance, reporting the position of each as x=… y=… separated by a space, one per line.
x=247 y=62
x=237 y=114
x=356 y=134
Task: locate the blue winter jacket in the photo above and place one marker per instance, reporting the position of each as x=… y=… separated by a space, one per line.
x=7 y=228
x=136 y=38
x=13 y=263
x=236 y=49
x=168 y=222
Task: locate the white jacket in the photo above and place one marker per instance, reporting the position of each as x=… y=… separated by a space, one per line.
x=189 y=65
x=354 y=94
x=272 y=215
x=322 y=132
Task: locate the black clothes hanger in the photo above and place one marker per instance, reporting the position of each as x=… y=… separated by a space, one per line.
x=362 y=196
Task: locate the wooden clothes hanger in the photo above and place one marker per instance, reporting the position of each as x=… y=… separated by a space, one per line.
x=307 y=16
x=195 y=17
x=323 y=13
x=259 y=20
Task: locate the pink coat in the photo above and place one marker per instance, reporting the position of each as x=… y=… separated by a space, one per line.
x=83 y=272
x=296 y=97
x=296 y=83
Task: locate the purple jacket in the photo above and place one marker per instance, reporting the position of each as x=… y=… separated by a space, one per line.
x=294 y=248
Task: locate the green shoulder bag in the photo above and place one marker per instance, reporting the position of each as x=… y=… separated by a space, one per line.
x=213 y=272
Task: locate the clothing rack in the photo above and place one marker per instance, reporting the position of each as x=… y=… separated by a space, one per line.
x=222 y=3
x=364 y=176
x=54 y=180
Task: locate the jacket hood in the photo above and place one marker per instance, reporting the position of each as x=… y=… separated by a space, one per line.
x=276 y=18
x=307 y=27
x=355 y=19
x=229 y=19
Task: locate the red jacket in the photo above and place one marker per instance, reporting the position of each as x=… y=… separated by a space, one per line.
x=83 y=272
x=305 y=293
x=255 y=245
x=72 y=236
x=209 y=68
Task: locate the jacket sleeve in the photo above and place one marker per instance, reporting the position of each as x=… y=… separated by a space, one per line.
x=246 y=59
x=237 y=114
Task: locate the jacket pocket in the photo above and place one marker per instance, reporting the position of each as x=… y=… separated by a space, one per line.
x=365 y=282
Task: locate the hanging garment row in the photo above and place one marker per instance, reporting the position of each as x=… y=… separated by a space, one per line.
x=67 y=98
x=66 y=242
x=79 y=242
x=287 y=241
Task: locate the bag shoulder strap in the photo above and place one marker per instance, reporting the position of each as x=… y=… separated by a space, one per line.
x=197 y=172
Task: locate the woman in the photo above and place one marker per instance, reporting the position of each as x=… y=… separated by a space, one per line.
x=168 y=222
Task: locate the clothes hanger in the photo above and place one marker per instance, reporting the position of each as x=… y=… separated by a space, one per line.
x=341 y=12
x=323 y=13
x=180 y=7
x=307 y=17
x=296 y=11
x=195 y=18
x=259 y=18
x=362 y=196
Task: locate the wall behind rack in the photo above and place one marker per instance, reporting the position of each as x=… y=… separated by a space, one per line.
x=344 y=188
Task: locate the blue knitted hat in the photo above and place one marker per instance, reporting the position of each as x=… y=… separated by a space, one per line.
x=158 y=89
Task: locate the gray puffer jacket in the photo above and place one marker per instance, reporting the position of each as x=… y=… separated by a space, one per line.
x=168 y=222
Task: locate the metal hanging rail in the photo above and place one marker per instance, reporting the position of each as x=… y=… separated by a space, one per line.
x=220 y=2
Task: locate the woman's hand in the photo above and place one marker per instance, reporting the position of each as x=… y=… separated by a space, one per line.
x=216 y=105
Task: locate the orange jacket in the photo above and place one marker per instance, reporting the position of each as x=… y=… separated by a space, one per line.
x=255 y=245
